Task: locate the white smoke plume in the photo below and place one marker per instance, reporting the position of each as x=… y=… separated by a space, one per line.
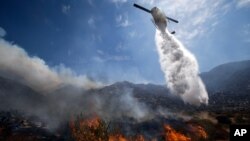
x=66 y=92
x=34 y=72
x=180 y=69
x=122 y=104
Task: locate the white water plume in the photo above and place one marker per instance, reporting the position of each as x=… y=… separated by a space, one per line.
x=181 y=69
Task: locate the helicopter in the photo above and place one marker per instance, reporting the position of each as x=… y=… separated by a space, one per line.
x=159 y=17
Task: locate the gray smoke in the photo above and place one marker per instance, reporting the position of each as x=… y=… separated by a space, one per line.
x=67 y=94
x=180 y=69
x=35 y=73
x=121 y=104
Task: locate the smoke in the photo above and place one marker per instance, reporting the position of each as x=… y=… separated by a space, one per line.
x=67 y=94
x=121 y=104
x=35 y=73
x=180 y=69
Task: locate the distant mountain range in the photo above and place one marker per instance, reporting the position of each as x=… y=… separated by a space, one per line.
x=233 y=76
x=229 y=79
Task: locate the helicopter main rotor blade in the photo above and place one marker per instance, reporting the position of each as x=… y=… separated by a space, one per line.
x=142 y=8
x=173 y=20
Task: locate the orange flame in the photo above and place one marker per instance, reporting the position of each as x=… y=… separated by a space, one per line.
x=172 y=135
x=198 y=131
x=89 y=129
x=117 y=137
x=140 y=138
x=120 y=137
x=91 y=122
x=92 y=129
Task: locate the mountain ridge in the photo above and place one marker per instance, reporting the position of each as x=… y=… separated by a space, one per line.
x=231 y=78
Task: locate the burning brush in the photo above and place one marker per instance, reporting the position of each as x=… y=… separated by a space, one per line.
x=171 y=135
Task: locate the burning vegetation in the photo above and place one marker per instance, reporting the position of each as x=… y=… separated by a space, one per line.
x=90 y=129
x=95 y=129
x=198 y=132
x=171 y=135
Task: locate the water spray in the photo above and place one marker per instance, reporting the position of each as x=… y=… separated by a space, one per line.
x=180 y=69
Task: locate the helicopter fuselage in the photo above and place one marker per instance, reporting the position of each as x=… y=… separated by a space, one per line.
x=159 y=18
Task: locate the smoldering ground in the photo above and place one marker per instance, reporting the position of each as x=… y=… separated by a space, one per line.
x=180 y=69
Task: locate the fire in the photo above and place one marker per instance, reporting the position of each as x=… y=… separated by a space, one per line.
x=90 y=129
x=140 y=138
x=117 y=137
x=198 y=131
x=91 y=122
x=94 y=129
x=172 y=135
x=120 y=137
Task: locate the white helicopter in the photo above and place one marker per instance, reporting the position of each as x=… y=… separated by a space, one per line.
x=159 y=17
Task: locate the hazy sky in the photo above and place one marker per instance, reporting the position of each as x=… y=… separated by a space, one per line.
x=110 y=40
